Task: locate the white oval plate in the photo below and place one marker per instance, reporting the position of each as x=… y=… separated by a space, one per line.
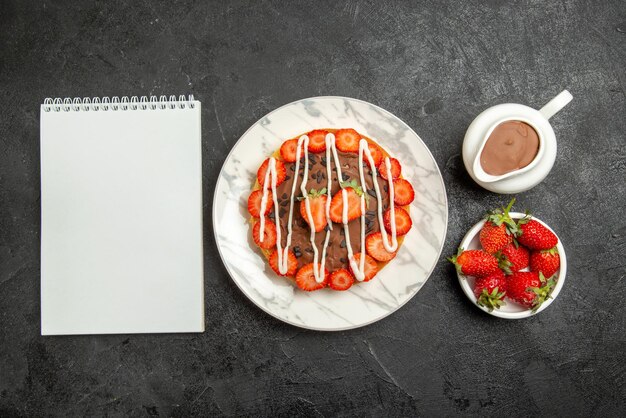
x=510 y=310
x=325 y=309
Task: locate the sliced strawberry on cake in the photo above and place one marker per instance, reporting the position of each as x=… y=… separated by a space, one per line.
x=281 y=173
x=254 y=203
x=347 y=140
x=317 y=141
x=305 y=278
x=394 y=166
x=317 y=204
x=353 y=194
x=403 y=221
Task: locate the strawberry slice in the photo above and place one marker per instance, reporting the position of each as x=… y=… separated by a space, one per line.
x=377 y=154
x=288 y=150
x=354 y=204
x=396 y=169
x=269 y=237
x=403 y=221
x=317 y=202
x=403 y=193
x=305 y=279
x=317 y=141
x=375 y=248
x=254 y=203
x=280 y=172
x=371 y=266
x=341 y=279
x=347 y=140
x=292 y=263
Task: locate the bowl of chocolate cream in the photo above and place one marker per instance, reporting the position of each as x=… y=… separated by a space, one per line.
x=510 y=148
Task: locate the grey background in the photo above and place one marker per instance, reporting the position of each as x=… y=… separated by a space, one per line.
x=436 y=65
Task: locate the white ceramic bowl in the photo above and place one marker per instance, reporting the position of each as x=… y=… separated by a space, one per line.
x=510 y=310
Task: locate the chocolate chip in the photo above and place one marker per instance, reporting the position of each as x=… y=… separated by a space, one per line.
x=370 y=213
x=323 y=176
x=308 y=250
x=327 y=228
x=323 y=160
x=343 y=243
x=342 y=232
x=318 y=180
x=386 y=187
x=287 y=178
x=312 y=158
x=271 y=215
x=296 y=249
x=370 y=172
x=282 y=212
x=346 y=176
x=292 y=167
x=284 y=196
x=284 y=203
x=371 y=192
x=343 y=260
x=297 y=254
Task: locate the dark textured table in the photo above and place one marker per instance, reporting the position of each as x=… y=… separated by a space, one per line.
x=436 y=65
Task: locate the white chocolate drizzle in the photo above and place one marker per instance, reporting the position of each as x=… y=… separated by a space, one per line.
x=331 y=150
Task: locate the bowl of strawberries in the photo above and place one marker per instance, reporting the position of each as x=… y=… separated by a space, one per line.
x=511 y=264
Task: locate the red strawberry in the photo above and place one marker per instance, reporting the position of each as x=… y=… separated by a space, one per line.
x=289 y=150
x=499 y=229
x=280 y=172
x=403 y=193
x=490 y=290
x=317 y=141
x=536 y=236
x=529 y=288
x=371 y=266
x=317 y=203
x=269 y=237
x=375 y=248
x=377 y=154
x=396 y=169
x=347 y=140
x=254 y=203
x=305 y=279
x=292 y=263
x=354 y=204
x=475 y=263
x=494 y=238
x=403 y=221
x=547 y=262
x=513 y=258
x=341 y=279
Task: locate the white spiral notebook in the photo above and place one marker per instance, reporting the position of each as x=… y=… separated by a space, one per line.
x=121 y=216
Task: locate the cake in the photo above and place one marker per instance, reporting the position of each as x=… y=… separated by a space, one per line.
x=344 y=223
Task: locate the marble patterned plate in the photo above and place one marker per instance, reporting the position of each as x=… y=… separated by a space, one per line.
x=325 y=309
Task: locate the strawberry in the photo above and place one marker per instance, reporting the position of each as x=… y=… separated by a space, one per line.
x=529 y=288
x=490 y=290
x=341 y=279
x=305 y=279
x=347 y=140
x=403 y=193
x=396 y=169
x=281 y=173
x=269 y=237
x=317 y=141
x=536 y=236
x=375 y=248
x=354 y=193
x=547 y=262
x=513 y=258
x=292 y=263
x=499 y=229
x=377 y=154
x=403 y=221
x=477 y=263
x=371 y=266
x=317 y=203
x=254 y=203
x=289 y=150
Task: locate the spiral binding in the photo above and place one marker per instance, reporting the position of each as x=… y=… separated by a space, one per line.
x=115 y=103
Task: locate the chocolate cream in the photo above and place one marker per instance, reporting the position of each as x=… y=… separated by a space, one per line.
x=512 y=145
x=337 y=252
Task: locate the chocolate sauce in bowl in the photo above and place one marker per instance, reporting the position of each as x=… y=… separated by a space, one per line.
x=511 y=146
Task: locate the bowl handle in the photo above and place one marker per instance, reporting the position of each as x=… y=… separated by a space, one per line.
x=556 y=104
